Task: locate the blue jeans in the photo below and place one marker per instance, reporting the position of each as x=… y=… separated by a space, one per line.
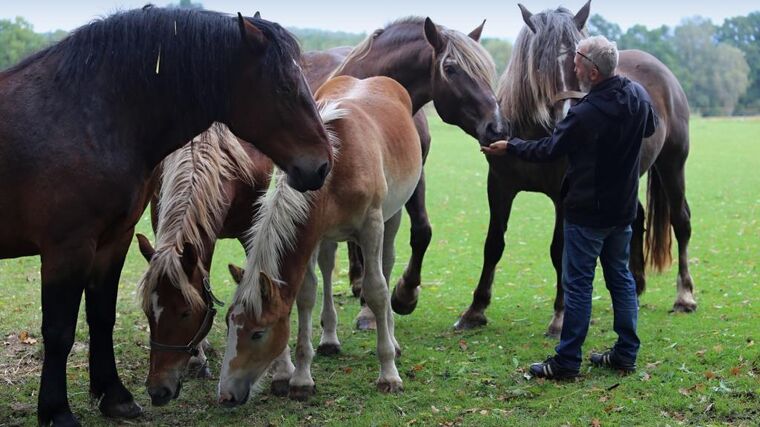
x=583 y=245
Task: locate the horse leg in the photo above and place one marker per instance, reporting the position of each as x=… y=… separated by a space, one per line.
x=405 y=294
x=500 y=206
x=375 y=291
x=301 y=383
x=100 y=301
x=389 y=258
x=282 y=371
x=555 y=326
x=329 y=344
x=674 y=183
x=64 y=274
x=637 y=262
x=355 y=268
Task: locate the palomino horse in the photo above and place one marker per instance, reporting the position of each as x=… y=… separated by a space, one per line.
x=405 y=51
x=86 y=121
x=539 y=74
x=378 y=162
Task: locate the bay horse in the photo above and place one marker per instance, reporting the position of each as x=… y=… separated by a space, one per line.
x=86 y=121
x=414 y=51
x=533 y=93
x=377 y=164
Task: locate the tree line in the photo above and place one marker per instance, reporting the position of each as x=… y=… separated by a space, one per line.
x=717 y=65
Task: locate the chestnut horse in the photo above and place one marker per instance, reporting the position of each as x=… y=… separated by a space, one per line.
x=415 y=52
x=86 y=121
x=377 y=165
x=533 y=93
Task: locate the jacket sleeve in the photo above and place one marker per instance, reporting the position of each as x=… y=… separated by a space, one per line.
x=568 y=134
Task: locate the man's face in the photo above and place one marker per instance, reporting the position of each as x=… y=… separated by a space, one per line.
x=583 y=71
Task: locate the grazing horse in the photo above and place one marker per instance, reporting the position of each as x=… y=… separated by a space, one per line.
x=377 y=165
x=86 y=121
x=533 y=93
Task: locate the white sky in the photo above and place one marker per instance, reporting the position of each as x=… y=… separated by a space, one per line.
x=358 y=16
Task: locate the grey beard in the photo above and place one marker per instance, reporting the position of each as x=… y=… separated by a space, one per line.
x=585 y=85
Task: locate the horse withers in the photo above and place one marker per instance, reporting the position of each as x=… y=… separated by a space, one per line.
x=377 y=165
x=540 y=71
x=86 y=121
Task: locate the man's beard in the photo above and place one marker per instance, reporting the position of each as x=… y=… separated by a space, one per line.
x=585 y=84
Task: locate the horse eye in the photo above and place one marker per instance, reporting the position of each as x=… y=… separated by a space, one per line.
x=257 y=335
x=185 y=314
x=450 y=70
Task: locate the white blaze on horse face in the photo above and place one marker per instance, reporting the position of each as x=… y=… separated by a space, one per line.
x=155 y=306
x=230 y=352
x=561 y=63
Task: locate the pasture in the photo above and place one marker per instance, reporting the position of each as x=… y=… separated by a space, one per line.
x=701 y=368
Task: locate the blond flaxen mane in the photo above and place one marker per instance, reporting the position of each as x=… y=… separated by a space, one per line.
x=192 y=204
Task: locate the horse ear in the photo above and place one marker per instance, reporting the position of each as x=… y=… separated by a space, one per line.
x=146 y=249
x=433 y=36
x=257 y=15
x=269 y=290
x=527 y=15
x=189 y=259
x=582 y=15
x=236 y=273
x=475 y=34
x=252 y=36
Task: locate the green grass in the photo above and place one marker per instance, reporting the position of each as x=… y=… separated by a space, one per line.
x=701 y=368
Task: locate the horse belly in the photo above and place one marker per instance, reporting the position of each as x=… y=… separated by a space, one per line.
x=399 y=192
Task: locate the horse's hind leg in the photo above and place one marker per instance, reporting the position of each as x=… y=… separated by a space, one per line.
x=375 y=291
x=64 y=274
x=301 y=383
x=105 y=385
x=328 y=343
x=637 y=262
x=355 y=268
x=555 y=326
x=674 y=182
x=389 y=258
x=405 y=295
x=500 y=205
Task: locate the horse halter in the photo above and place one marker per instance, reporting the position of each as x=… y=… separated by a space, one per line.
x=191 y=348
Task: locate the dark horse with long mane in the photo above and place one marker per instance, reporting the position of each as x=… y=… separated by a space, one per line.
x=534 y=94
x=86 y=121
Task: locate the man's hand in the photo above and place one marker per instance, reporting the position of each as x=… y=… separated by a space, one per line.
x=498 y=148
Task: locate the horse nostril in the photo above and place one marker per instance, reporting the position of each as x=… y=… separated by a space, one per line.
x=323 y=170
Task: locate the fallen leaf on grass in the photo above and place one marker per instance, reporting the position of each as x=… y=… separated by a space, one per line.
x=700 y=353
x=463 y=345
x=736 y=370
x=596 y=423
x=645 y=376
x=434 y=410
x=709 y=375
x=653 y=364
x=347 y=369
x=24 y=338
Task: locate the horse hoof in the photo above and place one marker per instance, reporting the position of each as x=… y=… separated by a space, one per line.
x=126 y=410
x=279 y=388
x=684 y=307
x=60 y=420
x=366 y=324
x=392 y=386
x=402 y=306
x=470 y=321
x=302 y=393
x=328 y=349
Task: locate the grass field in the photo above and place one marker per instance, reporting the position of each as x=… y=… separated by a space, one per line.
x=701 y=368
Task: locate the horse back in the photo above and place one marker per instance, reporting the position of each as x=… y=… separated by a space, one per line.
x=319 y=64
x=379 y=160
x=669 y=101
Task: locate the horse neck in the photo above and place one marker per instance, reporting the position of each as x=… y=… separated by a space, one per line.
x=410 y=65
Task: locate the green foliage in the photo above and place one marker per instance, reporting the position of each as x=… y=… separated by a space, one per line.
x=743 y=32
x=694 y=369
x=18 y=40
x=500 y=50
x=311 y=39
x=598 y=26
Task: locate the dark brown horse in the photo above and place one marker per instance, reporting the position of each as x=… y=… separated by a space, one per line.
x=86 y=121
x=533 y=96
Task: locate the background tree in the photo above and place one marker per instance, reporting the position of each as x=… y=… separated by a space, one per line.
x=743 y=32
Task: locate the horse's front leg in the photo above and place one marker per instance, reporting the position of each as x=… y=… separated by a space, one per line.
x=555 y=326
x=500 y=205
x=301 y=383
x=114 y=399
x=328 y=343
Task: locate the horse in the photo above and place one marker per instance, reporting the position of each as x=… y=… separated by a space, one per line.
x=86 y=121
x=401 y=50
x=377 y=165
x=206 y=191
x=534 y=93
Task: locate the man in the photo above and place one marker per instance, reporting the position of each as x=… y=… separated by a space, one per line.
x=601 y=137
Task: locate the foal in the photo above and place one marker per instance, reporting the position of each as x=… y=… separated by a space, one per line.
x=376 y=168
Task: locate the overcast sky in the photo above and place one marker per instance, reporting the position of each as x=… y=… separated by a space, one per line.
x=361 y=16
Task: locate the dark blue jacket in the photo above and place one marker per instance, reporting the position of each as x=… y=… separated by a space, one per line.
x=601 y=136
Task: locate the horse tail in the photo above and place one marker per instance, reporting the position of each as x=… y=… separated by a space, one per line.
x=658 y=236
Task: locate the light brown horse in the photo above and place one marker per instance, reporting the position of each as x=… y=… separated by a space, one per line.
x=532 y=95
x=377 y=165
